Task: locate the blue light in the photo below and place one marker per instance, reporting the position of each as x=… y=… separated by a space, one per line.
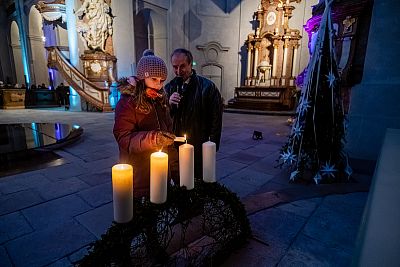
x=36 y=138
x=57 y=130
x=22 y=36
x=75 y=100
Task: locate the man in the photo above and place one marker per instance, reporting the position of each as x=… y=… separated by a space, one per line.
x=196 y=106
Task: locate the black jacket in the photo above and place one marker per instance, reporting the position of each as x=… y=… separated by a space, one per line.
x=198 y=115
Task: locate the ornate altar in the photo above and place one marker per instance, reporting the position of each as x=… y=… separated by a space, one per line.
x=12 y=98
x=99 y=67
x=271 y=54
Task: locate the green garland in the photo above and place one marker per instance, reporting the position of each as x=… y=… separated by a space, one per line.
x=146 y=240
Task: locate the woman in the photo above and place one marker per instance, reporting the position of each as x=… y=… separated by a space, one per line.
x=142 y=122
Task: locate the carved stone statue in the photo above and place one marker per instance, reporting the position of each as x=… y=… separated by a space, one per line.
x=95 y=23
x=264 y=47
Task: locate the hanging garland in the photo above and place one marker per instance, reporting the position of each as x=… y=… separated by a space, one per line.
x=315 y=146
x=159 y=234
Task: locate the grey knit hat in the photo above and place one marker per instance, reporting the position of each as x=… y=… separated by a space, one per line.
x=151 y=66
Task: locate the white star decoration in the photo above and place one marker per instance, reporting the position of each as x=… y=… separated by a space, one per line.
x=293 y=175
x=304 y=105
x=317 y=178
x=348 y=170
x=296 y=131
x=328 y=170
x=331 y=79
x=288 y=156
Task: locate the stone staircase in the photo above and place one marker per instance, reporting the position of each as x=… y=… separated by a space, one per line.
x=95 y=95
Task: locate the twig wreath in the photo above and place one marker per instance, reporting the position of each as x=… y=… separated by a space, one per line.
x=193 y=228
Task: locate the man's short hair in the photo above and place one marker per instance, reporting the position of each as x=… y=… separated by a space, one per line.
x=184 y=51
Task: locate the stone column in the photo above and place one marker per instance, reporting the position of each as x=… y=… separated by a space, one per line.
x=75 y=100
x=294 y=65
x=249 y=56
x=275 y=60
x=375 y=101
x=285 y=56
x=23 y=35
x=255 y=62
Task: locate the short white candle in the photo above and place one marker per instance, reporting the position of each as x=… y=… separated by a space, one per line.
x=209 y=158
x=158 y=177
x=186 y=166
x=122 y=183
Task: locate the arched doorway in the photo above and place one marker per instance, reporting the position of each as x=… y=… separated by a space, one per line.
x=151 y=32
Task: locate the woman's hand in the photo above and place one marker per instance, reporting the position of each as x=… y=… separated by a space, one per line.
x=164 y=138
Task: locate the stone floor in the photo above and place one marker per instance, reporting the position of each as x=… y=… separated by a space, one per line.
x=49 y=216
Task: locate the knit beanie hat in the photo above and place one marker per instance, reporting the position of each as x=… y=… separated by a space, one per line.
x=151 y=66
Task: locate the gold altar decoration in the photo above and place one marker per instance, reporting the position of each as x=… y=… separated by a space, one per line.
x=99 y=67
x=12 y=98
x=271 y=59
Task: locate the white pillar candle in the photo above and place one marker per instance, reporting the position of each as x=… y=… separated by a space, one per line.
x=209 y=158
x=186 y=166
x=158 y=177
x=122 y=183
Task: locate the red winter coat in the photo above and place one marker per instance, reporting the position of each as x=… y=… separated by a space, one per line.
x=135 y=133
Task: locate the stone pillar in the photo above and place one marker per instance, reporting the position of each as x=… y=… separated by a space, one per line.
x=275 y=61
x=255 y=62
x=23 y=35
x=75 y=100
x=294 y=64
x=249 y=56
x=285 y=56
x=374 y=103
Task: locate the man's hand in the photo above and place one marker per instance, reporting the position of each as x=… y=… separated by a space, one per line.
x=174 y=99
x=164 y=138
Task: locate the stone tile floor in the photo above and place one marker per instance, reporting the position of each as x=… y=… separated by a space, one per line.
x=49 y=216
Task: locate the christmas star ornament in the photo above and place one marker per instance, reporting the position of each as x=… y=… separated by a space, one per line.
x=331 y=79
x=296 y=131
x=348 y=171
x=288 y=157
x=304 y=105
x=317 y=178
x=328 y=170
x=293 y=175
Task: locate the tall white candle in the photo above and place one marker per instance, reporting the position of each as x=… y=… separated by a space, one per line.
x=209 y=158
x=158 y=177
x=122 y=183
x=186 y=166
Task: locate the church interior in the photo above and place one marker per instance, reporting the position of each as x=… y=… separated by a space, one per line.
x=60 y=64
